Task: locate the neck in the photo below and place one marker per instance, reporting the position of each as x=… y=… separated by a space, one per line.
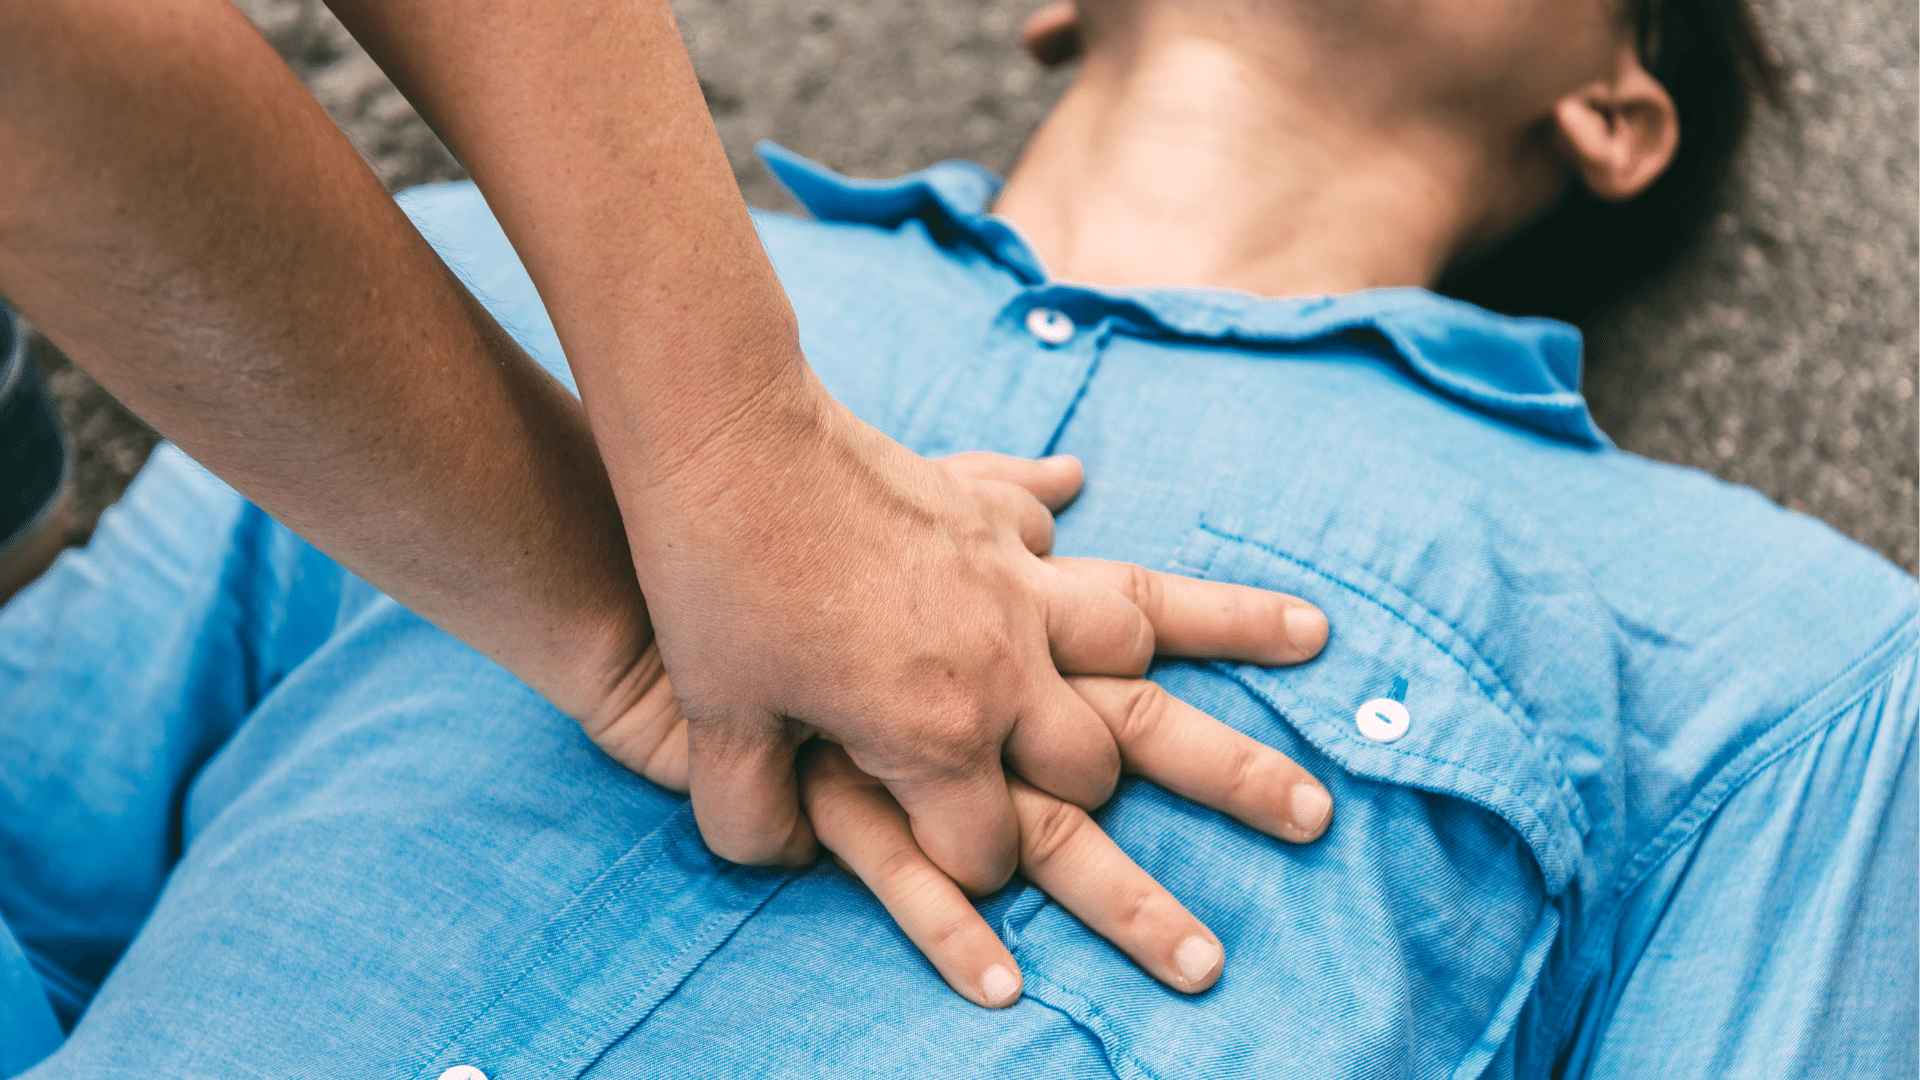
x=1190 y=167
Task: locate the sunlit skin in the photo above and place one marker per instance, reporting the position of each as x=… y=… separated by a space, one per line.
x=1286 y=147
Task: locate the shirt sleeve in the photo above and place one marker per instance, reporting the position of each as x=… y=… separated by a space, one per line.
x=1782 y=941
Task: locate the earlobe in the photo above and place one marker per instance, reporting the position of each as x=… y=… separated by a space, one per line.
x=1619 y=134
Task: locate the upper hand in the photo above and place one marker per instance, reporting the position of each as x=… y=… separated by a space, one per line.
x=815 y=576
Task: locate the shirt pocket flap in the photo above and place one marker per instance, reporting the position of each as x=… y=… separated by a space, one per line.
x=1401 y=696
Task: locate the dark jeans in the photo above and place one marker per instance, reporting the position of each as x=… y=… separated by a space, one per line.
x=33 y=453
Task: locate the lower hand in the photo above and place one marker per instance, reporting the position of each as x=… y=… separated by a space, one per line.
x=1062 y=849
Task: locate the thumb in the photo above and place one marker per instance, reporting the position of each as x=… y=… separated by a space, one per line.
x=746 y=799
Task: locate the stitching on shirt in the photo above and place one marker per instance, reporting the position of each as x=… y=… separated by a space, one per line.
x=1098 y=348
x=1500 y=695
x=1527 y=982
x=1714 y=795
x=706 y=949
x=1235 y=673
x=560 y=917
x=1112 y=1045
x=1541 y=816
x=606 y=896
x=1704 y=806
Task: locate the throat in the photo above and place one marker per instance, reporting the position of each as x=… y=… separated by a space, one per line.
x=1190 y=173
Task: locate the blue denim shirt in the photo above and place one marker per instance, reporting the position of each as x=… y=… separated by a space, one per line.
x=1622 y=756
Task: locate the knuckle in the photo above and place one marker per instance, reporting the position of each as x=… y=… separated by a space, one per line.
x=951 y=933
x=1141 y=713
x=957 y=734
x=1243 y=771
x=1141 y=586
x=959 y=746
x=901 y=869
x=997 y=647
x=1109 y=776
x=1051 y=832
x=1040 y=525
x=1094 y=782
x=1142 y=646
x=1256 y=616
x=667 y=755
x=1136 y=913
x=747 y=849
x=1001 y=500
x=987 y=879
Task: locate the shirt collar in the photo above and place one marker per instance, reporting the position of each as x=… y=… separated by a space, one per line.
x=1523 y=370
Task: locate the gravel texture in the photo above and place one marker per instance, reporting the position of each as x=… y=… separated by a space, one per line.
x=1782 y=355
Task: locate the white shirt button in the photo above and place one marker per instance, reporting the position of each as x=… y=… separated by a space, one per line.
x=1383 y=720
x=1050 y=325
x=463 y=1072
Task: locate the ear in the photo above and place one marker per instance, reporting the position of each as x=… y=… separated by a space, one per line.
x=1619 y=133
x=1052 y=34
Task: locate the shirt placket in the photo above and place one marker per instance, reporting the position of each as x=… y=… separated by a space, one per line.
x=1019 y=386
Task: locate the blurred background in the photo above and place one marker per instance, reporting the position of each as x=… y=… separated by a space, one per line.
x=1782 y=355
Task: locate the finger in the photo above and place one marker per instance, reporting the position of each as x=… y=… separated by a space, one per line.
x=964 y=822
x=1033 y=520
x=1053 y=480
x=654 y=748
x=1064 y=853
x=1093 y=629
x=1065 y=749
x=649 y=735
x=1052 y=34
x=1211 y=619
x=667 y=764
x=869 y=835
x=745 y=798
x=1196 y=756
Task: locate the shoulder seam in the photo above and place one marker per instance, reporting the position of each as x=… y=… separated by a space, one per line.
x=1897 y=644
x=1688 y=821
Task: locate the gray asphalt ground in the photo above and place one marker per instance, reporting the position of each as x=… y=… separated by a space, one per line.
x=1782 y=355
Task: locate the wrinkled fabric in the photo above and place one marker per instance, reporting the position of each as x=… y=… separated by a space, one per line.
x=1653 y=813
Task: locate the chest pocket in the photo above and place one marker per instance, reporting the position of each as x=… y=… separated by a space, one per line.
x=1404 y=697
x=1409 y=940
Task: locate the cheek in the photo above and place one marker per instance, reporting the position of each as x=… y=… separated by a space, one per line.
x=1527 y=46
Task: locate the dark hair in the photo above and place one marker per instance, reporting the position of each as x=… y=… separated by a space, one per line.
x=1714 y=61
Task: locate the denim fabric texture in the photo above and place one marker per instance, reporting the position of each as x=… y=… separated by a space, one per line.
x=1653 y=812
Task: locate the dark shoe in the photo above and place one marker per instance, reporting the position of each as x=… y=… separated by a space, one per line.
x=35 y=466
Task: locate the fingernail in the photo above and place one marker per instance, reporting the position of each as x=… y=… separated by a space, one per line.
x=1196 y=959
x=1311 y=807
x=1306 y=628
x=999 y=986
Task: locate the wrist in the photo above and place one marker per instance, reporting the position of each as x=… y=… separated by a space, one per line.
x=760 y=424
x=607 y=662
